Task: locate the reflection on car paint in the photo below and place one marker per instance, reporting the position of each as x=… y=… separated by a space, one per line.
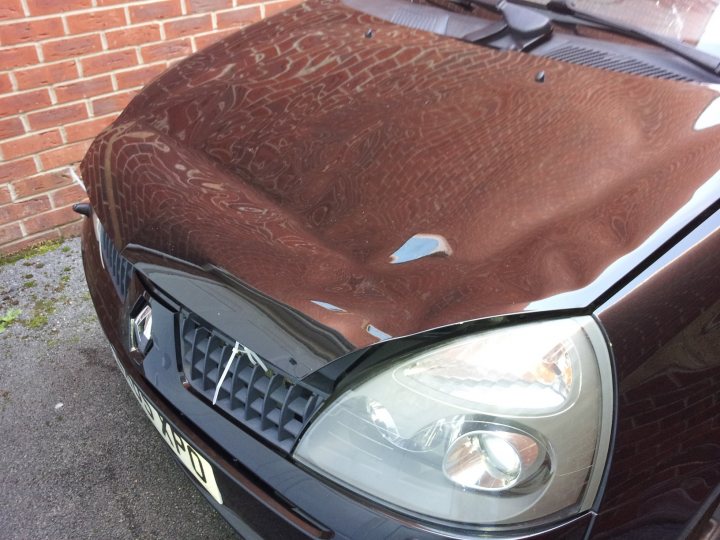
x=328 y=306
x=419 y=246
x=710 y=117
x=704 y=197
x=375 y=332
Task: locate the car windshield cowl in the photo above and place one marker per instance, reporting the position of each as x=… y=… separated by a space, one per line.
x=698 y=57
x=693 y=22
x=531 y=22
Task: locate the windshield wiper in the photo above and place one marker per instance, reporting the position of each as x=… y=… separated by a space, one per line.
x=697 y=57
x=527 y=26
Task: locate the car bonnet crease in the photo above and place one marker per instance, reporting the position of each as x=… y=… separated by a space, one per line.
x=388 y=182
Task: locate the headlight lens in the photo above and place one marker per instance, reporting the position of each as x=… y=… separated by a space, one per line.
x=504 y=427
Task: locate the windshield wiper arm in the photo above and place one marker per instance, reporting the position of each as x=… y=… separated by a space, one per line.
x=697 y=57
x=527 y=26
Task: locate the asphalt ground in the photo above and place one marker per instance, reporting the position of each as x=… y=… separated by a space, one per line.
x=78 y=457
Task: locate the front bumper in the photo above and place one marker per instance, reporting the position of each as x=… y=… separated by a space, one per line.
x=264 y=493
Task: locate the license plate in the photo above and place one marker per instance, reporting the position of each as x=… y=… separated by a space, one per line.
x=188 y=455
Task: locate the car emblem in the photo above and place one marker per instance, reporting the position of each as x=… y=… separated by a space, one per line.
x=238 y=349
x=141 y=330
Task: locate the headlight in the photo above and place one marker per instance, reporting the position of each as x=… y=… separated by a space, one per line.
x=504 y=427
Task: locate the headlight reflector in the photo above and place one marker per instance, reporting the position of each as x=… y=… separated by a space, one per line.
x=484 y=460
x=506 y=426
x=502 y=372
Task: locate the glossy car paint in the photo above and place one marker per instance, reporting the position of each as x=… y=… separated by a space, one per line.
x=629 y=506
x=263 y=491
x=665 y=333
x=350 y=190
x=299 y=156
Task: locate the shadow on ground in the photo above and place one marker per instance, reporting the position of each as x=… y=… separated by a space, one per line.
x=79 y=459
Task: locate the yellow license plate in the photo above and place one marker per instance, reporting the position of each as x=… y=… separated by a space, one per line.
x=198 y=466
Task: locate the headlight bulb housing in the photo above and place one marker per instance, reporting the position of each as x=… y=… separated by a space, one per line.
x=505 y=427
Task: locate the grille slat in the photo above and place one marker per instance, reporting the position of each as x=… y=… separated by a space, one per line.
x=240 y=397
x=254 y=394
x=235 y=386
x=271 y=405
x=293 y=428
x=207 y=381
x=298 y=405
x=274 y=417
x=117 y=266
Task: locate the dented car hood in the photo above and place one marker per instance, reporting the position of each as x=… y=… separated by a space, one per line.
x=376 y=187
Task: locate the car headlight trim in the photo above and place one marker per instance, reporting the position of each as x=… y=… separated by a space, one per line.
x=431 y=436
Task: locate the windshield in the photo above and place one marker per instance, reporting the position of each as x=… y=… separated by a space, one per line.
x=696 y=22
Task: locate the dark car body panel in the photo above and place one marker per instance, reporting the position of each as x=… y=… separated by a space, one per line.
x=267 y=493
x=299 y=156
x=633 y=504
x=271 y=181
x=665 y=332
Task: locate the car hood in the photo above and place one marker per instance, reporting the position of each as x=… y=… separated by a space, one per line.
x=379 y=185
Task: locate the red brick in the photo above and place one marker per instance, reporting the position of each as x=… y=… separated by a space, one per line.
x=30 y=241
x=30 y=31
x=155 y=11
x=26 y=101
x=139 y=76
x=37 y=185
x=110 y=61
x=71 y=47
x=111 y=104
x=46 y=74
x=65 y=155
x=46 y=7
x=57 y=116
x=135 y=35
x=71 y=229
x=88 y=129
x=166 y=50
x=16 y=169
x=208 y=39
x=188 y=26
x=272 y=9
x=50 y=220
x=11 y=127
x=5 y=83
x=15 y=57
x=10 y=233
x=112 y=2
x=19 y=210
x=97 y=19
x=68 y=195
x=31 y=144
x=5 y=196
x=84 y=89
x=238 y=17
x=203 y=6
x=11 y=9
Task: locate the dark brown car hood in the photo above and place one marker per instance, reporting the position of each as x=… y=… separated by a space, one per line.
x=300 y=156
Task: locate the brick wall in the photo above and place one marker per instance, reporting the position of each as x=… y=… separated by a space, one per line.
x=67 y=68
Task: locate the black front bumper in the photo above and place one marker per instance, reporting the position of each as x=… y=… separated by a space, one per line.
x=264 y=492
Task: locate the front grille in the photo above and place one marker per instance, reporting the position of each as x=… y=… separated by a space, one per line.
x=119 y=268
x=268 y=404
